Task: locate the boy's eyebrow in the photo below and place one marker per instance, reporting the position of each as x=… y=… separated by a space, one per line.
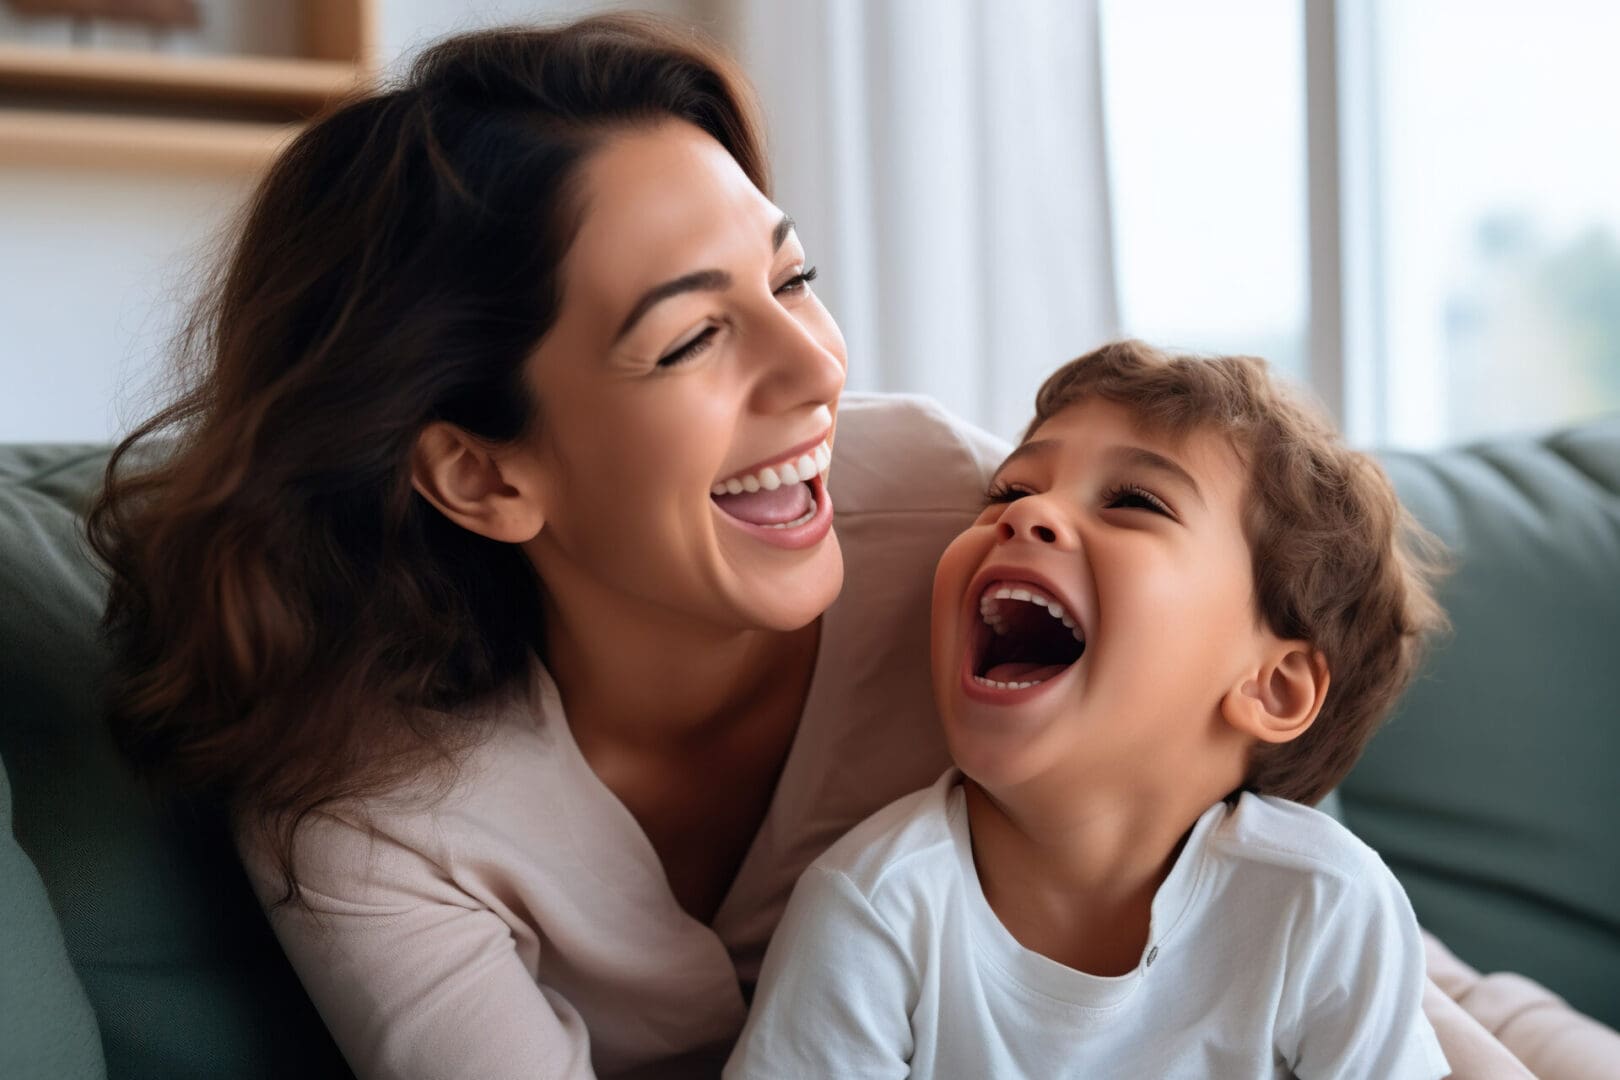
x=1143 y=458
x=1136 y=456
x=1039 y=447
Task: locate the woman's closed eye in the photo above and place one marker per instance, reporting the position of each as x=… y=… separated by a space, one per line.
x=685 y=352
x=796 y=285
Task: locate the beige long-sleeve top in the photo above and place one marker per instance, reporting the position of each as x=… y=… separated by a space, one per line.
x=522 y=925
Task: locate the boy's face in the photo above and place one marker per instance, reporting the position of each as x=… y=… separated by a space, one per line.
x=1138 y=539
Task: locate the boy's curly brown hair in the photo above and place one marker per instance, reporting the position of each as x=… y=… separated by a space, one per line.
x=1338 y=561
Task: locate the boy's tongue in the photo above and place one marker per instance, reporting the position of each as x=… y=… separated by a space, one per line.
x=790 y=502
x=1022 y=671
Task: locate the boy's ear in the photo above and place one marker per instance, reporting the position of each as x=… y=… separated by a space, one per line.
x=461 y=476
x=1281 y=701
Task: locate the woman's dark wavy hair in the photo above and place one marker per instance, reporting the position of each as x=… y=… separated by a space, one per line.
x=291 y=623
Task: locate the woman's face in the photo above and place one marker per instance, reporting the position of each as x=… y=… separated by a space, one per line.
x=688 y=351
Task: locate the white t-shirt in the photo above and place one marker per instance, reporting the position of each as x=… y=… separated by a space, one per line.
x=522 y=926
x=1279 y=945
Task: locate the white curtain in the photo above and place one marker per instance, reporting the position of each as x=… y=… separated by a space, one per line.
x=944 y=160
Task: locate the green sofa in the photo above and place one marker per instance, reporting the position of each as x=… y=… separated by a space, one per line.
x=130 y=945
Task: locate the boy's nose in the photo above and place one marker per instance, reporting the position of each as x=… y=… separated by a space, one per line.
x=1032 y=518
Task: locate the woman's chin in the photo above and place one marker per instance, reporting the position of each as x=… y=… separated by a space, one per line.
x=783 y=599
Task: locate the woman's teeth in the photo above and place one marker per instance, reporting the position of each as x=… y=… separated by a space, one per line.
x=800 y=470
x=795 y=524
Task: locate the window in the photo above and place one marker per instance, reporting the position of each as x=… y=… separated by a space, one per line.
x=1477 y=152
x=1500 y=232
x=1205 y=126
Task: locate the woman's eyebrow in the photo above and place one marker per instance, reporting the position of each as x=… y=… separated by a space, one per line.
x=779 y=234
x=697 y=281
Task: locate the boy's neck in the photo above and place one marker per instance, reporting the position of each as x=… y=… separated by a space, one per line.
x=1076 y=882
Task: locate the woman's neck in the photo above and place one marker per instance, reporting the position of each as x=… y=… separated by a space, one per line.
x=660 y=711
x=648 y=680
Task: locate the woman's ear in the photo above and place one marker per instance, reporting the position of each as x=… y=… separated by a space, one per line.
x=1281 y=700
x=497 y=498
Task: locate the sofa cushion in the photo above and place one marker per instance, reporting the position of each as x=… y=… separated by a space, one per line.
x=174 y=955
x=1492 y=792
x=47 y=1028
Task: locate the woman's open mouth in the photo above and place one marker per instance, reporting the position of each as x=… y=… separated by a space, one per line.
x=785 y=504
x=1024 y=638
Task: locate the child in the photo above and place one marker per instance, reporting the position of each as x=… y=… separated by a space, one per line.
x=1179 y=618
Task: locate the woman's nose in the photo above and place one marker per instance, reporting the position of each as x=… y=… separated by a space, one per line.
x=1035 y=518
x=803 y=363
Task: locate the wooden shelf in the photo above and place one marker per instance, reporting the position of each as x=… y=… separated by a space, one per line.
x=67 y=106
x=298 y=84
x=37 y=137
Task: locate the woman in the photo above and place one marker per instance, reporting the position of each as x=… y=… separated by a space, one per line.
x=490 y=583
x=515 y=361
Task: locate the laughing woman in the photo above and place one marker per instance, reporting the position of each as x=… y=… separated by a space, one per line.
x=488 y=581
x=491 y=583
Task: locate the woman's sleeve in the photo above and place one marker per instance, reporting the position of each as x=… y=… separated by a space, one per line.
x=835 y=993
x=413 y=977
x=1551 y=1038
x=1472 y=1052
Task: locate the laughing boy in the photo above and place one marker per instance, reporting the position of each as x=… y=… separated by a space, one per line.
x=1182 y=613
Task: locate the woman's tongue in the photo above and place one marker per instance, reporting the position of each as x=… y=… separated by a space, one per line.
x=790 y=502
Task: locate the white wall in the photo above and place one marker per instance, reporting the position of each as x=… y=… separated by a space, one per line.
x=91 y=269
x=409 y=24
x=95 y=267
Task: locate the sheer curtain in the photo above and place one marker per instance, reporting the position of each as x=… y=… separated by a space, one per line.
x=944 y=161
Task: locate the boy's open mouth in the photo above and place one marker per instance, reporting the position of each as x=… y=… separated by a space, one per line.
x=1025 y=637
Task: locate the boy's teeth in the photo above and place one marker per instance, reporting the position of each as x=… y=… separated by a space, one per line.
x=981 y=680
x=800 y=470
x=989 y=609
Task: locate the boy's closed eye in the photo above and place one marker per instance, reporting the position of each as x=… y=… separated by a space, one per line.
x=1126 y=496
x=1136 y=497
x=1004 y=493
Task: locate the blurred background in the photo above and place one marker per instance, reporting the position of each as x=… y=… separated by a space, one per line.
x=1413 y=206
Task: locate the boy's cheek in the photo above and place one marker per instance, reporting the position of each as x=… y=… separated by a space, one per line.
x=956 y=567
x=946 y=590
